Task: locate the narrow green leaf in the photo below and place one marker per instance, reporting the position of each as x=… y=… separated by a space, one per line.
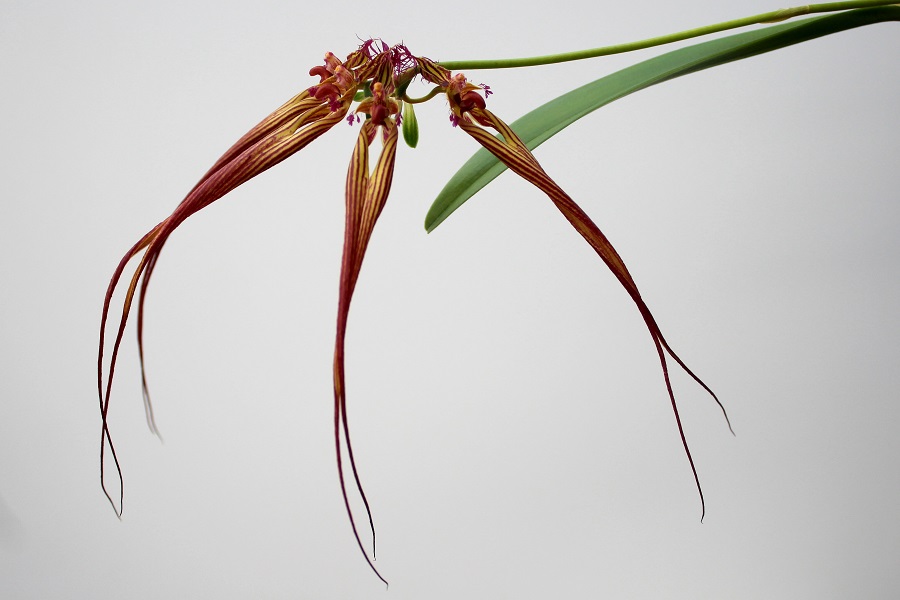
x=545 y=121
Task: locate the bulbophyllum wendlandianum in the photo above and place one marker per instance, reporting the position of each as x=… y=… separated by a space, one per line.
x=374 y=78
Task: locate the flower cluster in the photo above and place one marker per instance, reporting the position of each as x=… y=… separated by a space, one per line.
x=376 y=76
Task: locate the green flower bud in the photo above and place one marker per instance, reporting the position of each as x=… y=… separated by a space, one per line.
x=410 y=125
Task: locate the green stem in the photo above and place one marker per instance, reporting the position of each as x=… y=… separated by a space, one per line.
x=769 y=17
x=434 y=92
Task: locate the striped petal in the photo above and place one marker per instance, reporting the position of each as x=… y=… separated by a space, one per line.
x=510 y=150
x=289 y=129
x=365 y=196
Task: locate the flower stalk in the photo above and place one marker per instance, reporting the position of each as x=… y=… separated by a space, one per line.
x=774 y=16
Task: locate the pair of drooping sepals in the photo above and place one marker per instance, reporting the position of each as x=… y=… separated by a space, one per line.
x=381 y=74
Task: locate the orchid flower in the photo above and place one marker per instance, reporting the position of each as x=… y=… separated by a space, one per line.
x=287 y=130
x=468 y=112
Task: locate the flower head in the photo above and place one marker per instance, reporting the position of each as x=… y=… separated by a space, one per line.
x=379 y=74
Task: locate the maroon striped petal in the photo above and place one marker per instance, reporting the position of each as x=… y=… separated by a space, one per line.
x=288 y=130
x=515 y=155
x=365 y=197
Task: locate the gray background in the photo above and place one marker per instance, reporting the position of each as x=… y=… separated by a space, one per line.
x=508 y=413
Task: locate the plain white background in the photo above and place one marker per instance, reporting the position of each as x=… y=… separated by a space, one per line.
x=508 y=413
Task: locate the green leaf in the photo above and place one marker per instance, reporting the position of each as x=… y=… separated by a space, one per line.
x=545 y=121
